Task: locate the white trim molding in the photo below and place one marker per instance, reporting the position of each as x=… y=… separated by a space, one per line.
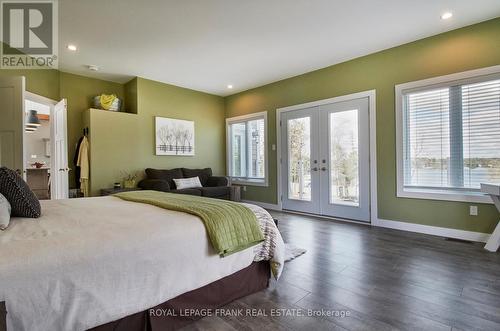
x=470 y=76
x=433 y=230
x=243 y=119
x=371 y=95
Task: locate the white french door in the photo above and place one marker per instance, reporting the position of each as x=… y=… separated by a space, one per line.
x=300 y=155
x=325 y=160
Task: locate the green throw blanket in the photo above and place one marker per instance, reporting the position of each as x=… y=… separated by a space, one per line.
x=231 y=226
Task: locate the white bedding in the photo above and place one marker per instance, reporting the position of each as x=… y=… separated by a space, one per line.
x=90 y=261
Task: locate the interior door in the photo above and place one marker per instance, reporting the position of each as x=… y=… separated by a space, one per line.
x=12 y=123
x=299 y=159
x=59 y=172
x=345 y=162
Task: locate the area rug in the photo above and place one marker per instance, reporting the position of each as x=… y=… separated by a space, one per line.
x=292 y=251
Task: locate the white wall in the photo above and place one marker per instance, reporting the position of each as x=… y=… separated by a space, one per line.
x=34 y=143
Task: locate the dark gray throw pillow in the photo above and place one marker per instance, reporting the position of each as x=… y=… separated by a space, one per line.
x=22 y=200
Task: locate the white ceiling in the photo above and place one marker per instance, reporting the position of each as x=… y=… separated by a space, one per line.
x=207 y=44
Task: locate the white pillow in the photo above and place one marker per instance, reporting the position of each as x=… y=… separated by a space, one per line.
x=4 y=212
x=182 y=183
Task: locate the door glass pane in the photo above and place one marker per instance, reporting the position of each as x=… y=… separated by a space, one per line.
x=344 y=176
x=238 y=148
x=299 y=159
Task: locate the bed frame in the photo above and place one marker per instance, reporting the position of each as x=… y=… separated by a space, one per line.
x=252 y=279
x=3 y=316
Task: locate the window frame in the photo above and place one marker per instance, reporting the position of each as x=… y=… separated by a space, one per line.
x=466 y=77
x=229 y=145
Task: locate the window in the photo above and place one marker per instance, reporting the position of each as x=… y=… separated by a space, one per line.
x=247 y=149
x=449 y=136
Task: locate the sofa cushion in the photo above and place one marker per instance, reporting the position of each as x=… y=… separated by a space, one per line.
x=217 y=181
x=165 y=174
x=190 y=191
x=215 y=192
x=154 y=184
x=203 y=174
x=23 y=201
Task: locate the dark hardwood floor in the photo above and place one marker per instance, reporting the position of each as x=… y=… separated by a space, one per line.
x=385 y=279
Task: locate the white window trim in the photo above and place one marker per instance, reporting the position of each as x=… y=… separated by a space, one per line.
x=436 y=82
x=240 y=119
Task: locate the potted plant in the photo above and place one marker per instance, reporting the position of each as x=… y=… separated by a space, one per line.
x=129 y=179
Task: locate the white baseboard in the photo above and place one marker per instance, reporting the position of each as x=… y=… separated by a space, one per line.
x=264 y=205
x=404 y=226
x=433 y=230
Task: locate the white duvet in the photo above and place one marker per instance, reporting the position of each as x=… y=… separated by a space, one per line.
x=90 y=261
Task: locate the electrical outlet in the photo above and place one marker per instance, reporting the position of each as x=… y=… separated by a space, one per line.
x=473 y=210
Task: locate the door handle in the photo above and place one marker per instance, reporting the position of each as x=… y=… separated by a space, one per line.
x=323 y=168
x=314 y=169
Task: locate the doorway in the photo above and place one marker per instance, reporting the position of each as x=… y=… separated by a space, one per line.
x=45 y=165
x=325 y=158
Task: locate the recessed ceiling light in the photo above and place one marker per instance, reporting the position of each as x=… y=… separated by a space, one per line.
x=230 y=86
x=71 y=47
x=446 y=15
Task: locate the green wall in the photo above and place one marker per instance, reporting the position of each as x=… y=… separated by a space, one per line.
x=468 y=48
x=131 y=96
x=79 y=91
x=42 y=82
x=126 y=142
x=76 y=89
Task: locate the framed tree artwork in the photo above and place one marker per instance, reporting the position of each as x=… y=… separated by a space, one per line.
x=174 y=137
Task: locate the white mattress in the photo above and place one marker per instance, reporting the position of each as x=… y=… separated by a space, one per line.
x=90 y=261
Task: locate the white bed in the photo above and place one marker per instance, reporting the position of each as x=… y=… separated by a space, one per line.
x=90 y=261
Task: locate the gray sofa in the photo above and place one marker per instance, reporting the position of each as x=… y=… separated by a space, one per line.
x=163 y=180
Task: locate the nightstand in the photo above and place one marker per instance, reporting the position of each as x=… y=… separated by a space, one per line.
x=109 y=191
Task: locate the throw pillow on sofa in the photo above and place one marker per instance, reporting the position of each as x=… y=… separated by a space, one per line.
x=202 y=174
x=183 y=183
